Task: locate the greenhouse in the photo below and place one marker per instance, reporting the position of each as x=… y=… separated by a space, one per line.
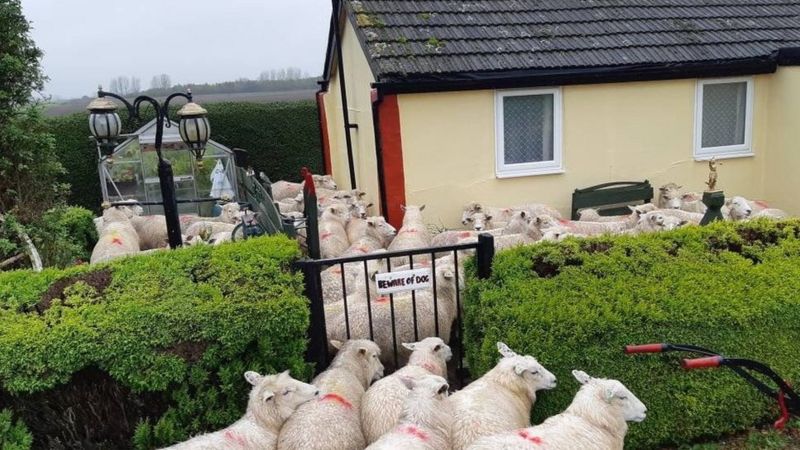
x=132 y=172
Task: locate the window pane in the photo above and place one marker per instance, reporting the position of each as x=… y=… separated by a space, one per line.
x=724 y=109
x=528 y=128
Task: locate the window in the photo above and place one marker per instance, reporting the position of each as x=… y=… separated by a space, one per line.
x=528 y=132
x=723 y=118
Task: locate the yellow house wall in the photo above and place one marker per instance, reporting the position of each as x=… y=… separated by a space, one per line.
x=782 y=182
x=358 y=82
x=611 y=132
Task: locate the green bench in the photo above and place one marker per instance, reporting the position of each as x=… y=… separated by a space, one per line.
x=611 y=199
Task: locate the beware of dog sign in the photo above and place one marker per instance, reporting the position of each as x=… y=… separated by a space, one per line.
x=404 y=280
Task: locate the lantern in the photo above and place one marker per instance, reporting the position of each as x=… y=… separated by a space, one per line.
x=194 y=129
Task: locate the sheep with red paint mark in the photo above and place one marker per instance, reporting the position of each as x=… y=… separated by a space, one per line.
x=501 y=216
x=285 y=189
x=370 y=234
x=273 y=399
x=597 y=418
x=333 y=421
x=117 y=236
x=413 y=234
x=382 y=405
x=429 y=314
x=230 y=213
x=425 y=419
x=332 y=235
x=500 y=400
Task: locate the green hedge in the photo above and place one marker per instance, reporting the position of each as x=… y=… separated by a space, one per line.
x=734 y=288
x=167 y=336
x=280 y=137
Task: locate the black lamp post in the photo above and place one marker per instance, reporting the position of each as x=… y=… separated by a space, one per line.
x=104 y=123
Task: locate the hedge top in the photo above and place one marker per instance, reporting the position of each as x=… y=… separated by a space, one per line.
x=574 y=305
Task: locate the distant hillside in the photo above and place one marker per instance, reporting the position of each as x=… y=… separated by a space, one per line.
x=256 y=91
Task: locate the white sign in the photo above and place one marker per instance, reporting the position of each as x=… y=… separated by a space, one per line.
x=404 y=280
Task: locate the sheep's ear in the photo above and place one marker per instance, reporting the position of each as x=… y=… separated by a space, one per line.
x=581 y=376
x=609 y=392
x=253 y=377
x=370 y=223
x=505 y=351
x=284 y=374
x=362 y=351
x=443 y=389
x=361 y=194
x=633 y=208
x=437 y=347
x=410 y=345
x=407 y=382
x=336 y=344
x=522 y=214
x=520 y=369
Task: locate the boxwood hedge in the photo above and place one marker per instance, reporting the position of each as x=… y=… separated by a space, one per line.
x=734 y=288
x=280 y=137
x=149 y=349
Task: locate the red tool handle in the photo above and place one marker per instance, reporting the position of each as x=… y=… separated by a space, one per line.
x=645 y=348
x=701 y=363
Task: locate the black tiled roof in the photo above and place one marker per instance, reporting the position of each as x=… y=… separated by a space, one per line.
x=408 y=40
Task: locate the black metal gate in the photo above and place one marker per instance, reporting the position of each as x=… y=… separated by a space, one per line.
x=414 y=302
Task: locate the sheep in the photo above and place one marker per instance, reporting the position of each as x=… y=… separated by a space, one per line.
x=333 y=421
x=382 y=405
x=332 y=235
x=451 y=237
x=327 y=197
x=220 y=238
x=669 y=196
x=502 y=216
x=481 y=221
x=519 y=222
x=531 y=234
x=206 y=229
x=597 y=418
x=413 y=234
x=401 y=305
x=500 y=400
x=230 y=214
x=544 y=222
x=655 y=221
x=693 y=202
x=273 y=399
x=354 y=279
x=288 y=205
x=592 y=215
x=689 y=217
x=373 y=232
x=737 y=208
x=425 y=421
x=285 y=189
x=152 y=231
x=117 y=236
x=771 y=213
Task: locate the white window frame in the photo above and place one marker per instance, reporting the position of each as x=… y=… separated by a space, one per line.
x=503 y=170
x=726 y=151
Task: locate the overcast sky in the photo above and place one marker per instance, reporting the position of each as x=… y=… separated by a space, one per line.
x=86 y=42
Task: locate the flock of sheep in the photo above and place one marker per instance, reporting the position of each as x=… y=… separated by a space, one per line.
x=351 y=406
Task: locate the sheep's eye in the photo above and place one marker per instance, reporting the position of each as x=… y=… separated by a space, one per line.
x=470 y=219
x=287 y=392
x=623 y=397
x=534 y=372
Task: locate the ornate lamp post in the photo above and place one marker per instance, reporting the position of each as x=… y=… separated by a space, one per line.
x=105 y=125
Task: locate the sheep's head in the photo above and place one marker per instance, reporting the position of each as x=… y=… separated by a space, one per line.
x=614 y=394
x=533 y=374
x=280 y=392
x=669 y=196
x=470 y=209
x=230 y=212
x=430 y=347
x=381 y=229
x=360 y=209
x=365 y=353
x=481 y=221
x=117 y=214
x=324 y=182
x=588 y=214
x=429 y=387
x=739 y=208
x=543 y=222
x=337 y=211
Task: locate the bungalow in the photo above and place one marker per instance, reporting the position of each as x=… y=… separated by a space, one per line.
x=511 y=101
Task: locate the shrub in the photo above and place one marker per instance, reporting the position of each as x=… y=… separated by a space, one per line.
x=64 y=236
x=729 y=287
x=13 y=434
x=280 y=138
x=150 y=348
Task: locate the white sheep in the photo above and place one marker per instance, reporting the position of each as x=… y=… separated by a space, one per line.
x=655 y=221
x=669 y=196
x=544 y=222
x=332 y=235
x=481 y=221
x=597 y=418
x=683 y=215
x=771 y=213
x=292 y=204
x=355 y=279
x=500 y=400
x=206 y=229
x=333 y=421
x=152 y=231
x=285 y=189
x=737 y=208
x=425 y=420
x=273 y=399
x=592 y=215
x=413 y=234
x=403 y=304
x=117 y=237
x=230 y=213
x=382 y=405
x=370 y=234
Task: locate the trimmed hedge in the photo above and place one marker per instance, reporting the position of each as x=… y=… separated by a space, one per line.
x=280 y=138
x=156 y=345
x=734 y=288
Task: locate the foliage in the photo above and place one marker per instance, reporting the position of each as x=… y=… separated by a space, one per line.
x=64 y=236
x=29 y=166
x=280 y=138
x=239 y=86
x=20 y=73
x=575 y=304
x=174 y=330
x=13 y=434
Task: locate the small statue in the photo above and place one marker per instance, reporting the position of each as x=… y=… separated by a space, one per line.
x=712 y=174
